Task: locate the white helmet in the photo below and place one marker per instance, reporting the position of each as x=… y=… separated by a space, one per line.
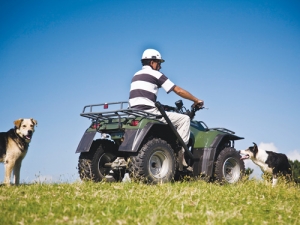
x=152 y=54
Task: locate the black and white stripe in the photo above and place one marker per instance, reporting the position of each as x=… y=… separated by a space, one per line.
x=144 y=88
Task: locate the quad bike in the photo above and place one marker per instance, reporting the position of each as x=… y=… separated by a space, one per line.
x=136 y=143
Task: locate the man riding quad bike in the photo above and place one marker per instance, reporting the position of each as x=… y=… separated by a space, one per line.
x=137 y=142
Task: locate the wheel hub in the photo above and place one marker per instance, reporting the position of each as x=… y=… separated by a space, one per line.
x=158 y=164
x=231 y=170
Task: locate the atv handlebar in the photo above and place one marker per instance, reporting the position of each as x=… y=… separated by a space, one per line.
x=181 y=109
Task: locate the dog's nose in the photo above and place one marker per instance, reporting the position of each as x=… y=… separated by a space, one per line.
x=30 y=132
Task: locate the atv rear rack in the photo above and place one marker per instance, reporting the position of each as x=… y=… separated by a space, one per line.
x=90 y=111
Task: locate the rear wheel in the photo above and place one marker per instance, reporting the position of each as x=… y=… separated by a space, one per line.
x=229 y=168
x=85 y=162
x=155 y=162
x=93 y=165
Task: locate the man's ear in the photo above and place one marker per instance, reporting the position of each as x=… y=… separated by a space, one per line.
x=18 y=122
x=151 y=64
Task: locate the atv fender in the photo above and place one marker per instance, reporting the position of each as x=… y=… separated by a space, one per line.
x=133 y=138
x=86 y=141
x=206 y=156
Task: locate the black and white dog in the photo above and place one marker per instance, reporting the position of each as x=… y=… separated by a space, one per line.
x=269 y=162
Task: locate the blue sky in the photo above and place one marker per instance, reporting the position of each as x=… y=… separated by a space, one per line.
x=241 y=57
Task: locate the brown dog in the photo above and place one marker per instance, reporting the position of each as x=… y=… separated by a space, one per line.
x=14 y=146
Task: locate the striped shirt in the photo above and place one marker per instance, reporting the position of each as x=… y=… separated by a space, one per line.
x=144 y=88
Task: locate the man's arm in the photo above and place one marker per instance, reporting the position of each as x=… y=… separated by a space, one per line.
x=187 y=95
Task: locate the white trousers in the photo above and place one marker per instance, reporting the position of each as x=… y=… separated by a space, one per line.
x=180 y=121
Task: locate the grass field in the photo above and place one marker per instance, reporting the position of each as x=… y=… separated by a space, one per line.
x=193 y=202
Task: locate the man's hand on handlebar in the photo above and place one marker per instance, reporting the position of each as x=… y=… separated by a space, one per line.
x=198 y=104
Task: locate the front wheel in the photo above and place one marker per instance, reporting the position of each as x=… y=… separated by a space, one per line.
x=155 y=162
x=229 y=168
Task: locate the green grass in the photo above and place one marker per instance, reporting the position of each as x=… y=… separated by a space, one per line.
x=195 y=202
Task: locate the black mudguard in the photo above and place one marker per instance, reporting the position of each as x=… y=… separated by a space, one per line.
x=86 y=141
x=134 y=138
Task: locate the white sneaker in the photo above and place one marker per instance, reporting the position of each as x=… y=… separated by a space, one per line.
x=126 y=178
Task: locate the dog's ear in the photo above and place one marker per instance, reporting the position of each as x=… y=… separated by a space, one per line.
x=255 y=147
x=18 y=122
x=34 y=121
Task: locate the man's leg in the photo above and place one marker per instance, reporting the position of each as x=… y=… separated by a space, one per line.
x=182 y=124
x=181 y=160
x=180 y=121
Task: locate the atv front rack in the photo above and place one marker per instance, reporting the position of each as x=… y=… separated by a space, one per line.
x=223 y=130
x=91 y=111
